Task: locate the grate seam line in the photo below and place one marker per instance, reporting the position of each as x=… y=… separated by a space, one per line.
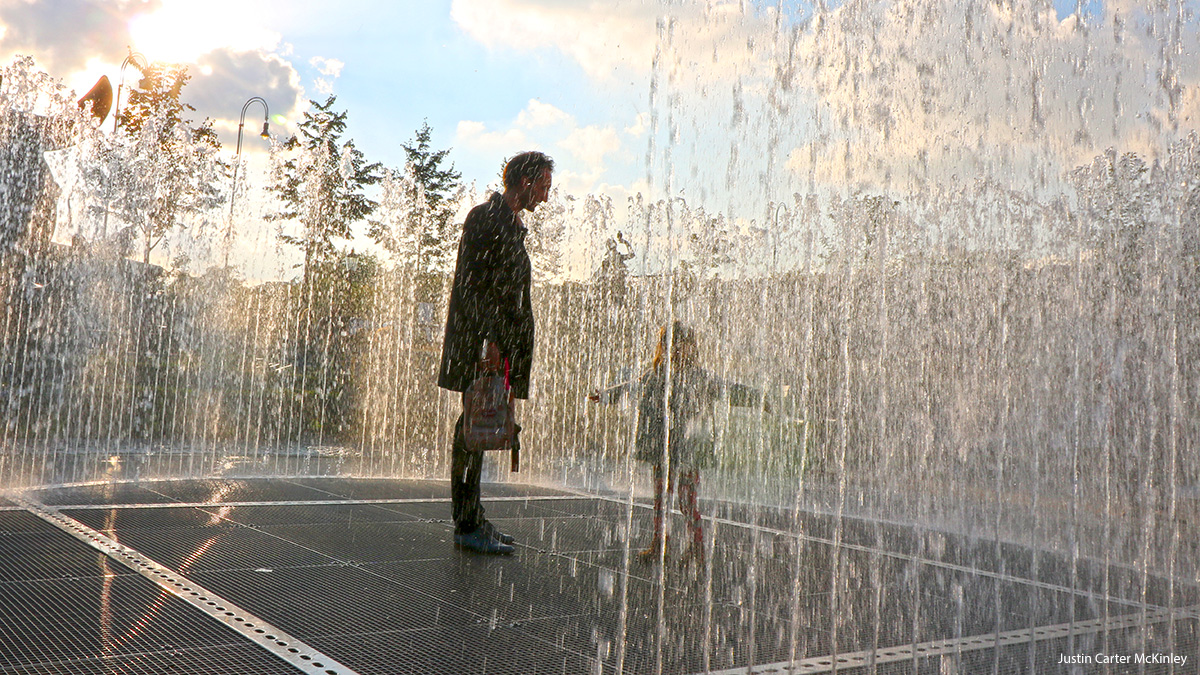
x=298 y=502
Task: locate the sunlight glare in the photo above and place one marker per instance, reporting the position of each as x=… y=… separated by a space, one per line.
x=181 y=31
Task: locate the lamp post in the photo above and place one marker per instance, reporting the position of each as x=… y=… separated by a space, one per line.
x=238 y=160
x=137 y=60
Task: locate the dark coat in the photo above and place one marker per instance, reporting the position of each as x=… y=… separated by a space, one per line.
x=693 y=395
x=694 y=392
x=489 y=299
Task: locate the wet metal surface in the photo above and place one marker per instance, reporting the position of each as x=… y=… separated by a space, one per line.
x=65 y=608
x=366 y=572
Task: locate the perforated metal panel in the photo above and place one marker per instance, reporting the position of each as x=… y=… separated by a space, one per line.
x=14 y=522
x=366 y=572
x=102 y=493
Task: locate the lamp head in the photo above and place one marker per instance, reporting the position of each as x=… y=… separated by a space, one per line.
x=265 y=132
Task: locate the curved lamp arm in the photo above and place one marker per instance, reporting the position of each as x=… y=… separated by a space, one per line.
x=137 y=60
x=238 y=160
x=242 y=122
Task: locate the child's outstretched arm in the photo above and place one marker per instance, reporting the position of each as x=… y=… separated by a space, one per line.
x=743 y=396
x=612 y=394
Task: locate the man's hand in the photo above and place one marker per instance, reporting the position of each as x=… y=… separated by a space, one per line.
x=491 y=357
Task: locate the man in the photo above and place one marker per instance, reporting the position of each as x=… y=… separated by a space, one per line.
x=490 y=318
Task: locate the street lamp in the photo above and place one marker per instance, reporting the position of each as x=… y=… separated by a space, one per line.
x=238 y=160
x=137 y=60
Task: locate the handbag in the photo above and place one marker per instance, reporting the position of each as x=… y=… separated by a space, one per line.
x=488 y=420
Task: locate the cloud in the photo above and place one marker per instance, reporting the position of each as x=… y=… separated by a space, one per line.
x=180 y=31
x=92 y=30
x=475 y=135
x=542 y=125
x=539 y=114
x=604 y=38
x=228 y=61
x=869 y=95
x=969 y=85
x=590 y=144
x=331 y=69
x=709 y=41
x=327 y=67
x=95 y=40
x=227 y=79
x=639 y=126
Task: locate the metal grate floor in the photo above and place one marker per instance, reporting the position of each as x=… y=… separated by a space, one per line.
x=65 y=608
x=347 y=576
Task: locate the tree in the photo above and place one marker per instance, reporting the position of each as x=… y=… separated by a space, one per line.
x=420 y=204
x=395 y=228
x=321 y=184
x=320 y=181
x=159 y=169
x=157 y=96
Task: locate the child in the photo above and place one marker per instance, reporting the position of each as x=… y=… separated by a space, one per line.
x=687 y=402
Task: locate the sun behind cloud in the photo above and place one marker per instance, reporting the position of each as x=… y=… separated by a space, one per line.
x=180 y=30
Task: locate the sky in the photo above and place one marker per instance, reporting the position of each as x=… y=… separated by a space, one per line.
x=730 y=104
x=490 y=78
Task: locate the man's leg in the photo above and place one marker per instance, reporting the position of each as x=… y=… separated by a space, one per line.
x=465 y=471
x=487 y=525
x=471 y=529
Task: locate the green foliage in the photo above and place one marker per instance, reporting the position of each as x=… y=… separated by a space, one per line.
x=156 y=96
x=337 y=325
x=425 y=166
x=321 y=183
x=712 y=244
x=160 y=169
x=417 y=219
x=1116 y=193
x=27 y=199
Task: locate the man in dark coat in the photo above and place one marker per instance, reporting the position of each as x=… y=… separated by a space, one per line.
x=490 y=317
